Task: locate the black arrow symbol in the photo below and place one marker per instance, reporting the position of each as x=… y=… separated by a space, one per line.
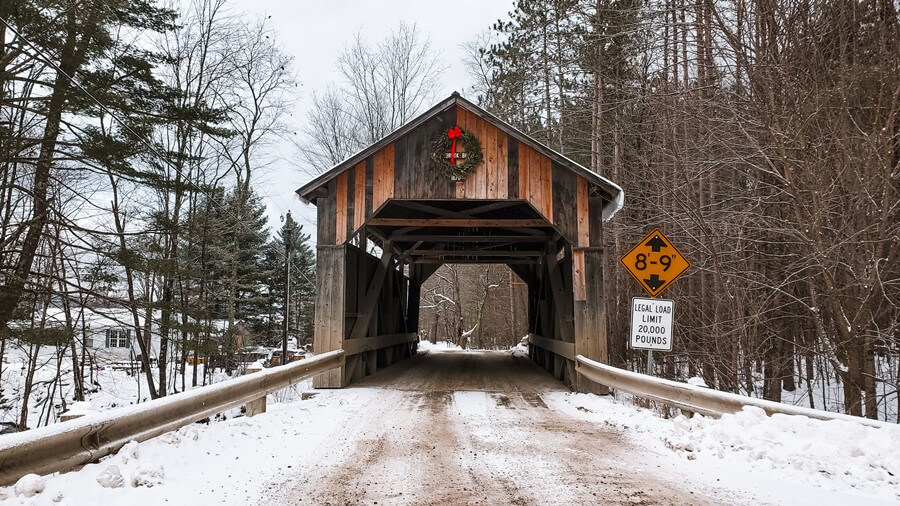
x=656 y=243
x=654 y=282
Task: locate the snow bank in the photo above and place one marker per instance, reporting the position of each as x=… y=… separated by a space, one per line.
x=233 y=461
x=833 y=451
x=438 y=346
x=835 y=456
x=29 y=485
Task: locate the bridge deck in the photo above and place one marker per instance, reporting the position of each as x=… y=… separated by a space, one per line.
x=455 y=427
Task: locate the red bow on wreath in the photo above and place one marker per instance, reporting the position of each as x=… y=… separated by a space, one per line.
x=454 y=133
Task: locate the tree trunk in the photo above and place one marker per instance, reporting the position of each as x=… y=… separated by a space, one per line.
x=70 y=61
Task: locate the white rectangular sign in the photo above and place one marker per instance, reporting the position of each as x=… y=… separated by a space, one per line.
x=651 y=324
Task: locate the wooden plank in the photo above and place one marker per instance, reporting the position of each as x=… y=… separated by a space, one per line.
x=582 y=216
x=546 y=187
x=523 y=171
x=490 y=159
x=473 y=252
x=406 y=179
x=590 y=320
x=481 y=172
x=325 y=209
x=534 y=180
x=328 y=328
x=512 y=166
x=341 y=210
x=578 y=275
x=502 y=165
x=389 y=179
x=442 y=261
x=564 y=202
x=378 y=180
x=351 y=201
x=373 y=294
x=472 y=180
x=370 y=185
x=354 y=346
x=470 y=238
x=455 y=222
x=562 y=299
x=561 y=348
x=359 y=198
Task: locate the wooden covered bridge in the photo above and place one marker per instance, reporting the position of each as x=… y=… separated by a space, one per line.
x=458 y=185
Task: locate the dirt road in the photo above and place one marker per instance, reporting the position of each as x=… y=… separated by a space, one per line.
x=461 y=427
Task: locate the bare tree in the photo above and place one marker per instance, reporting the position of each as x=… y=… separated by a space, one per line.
x=384 y=85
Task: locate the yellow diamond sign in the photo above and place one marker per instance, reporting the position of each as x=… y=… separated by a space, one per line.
x=655 y=262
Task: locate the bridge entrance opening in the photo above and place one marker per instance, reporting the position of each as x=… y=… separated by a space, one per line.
x=474 y=306
x=390 y=217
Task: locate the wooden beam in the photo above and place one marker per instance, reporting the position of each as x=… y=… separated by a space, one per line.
x=354 y=346
x=473 y=252
x=439 y=261
x=493 y=206
x=470 y=238
x=457 y=222
x=366 y=309
x=562 y=300
x=425 y=208
x=561 y=348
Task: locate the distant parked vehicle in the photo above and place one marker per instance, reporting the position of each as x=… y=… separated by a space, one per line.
x=247 y=356
x=293 y=356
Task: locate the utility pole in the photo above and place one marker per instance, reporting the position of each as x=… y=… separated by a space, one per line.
x=288 y=245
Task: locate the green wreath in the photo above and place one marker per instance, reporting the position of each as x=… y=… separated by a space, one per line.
x=444 y=143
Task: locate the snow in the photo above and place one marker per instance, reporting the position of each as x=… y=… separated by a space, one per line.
x=697 y=382
x=794 y=456
x=437 y=346
x=237 y=460
x=29 y=485
x=111 y=477
x=110 y=386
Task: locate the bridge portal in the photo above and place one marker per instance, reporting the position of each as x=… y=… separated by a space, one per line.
x=458 y=185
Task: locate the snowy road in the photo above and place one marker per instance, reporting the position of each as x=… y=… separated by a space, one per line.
x=463 y=427
x=472 y=428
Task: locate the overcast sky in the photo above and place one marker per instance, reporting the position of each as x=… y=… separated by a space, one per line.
x=315 y=32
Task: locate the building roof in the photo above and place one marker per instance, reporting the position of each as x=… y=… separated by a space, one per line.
x=613 y=193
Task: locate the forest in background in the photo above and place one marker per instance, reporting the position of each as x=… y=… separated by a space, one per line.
x=764 y=138
x=131 y=136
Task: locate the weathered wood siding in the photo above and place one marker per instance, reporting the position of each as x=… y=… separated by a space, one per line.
x=383 y=176
x=590 y=312
x=416 y=177
x=329 y=312
x=491 y=176
x=404 y=169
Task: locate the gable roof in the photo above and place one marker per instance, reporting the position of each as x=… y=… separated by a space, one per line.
x=613 y=193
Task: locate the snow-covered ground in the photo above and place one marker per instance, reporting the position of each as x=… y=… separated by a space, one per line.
x=768 y=460
x=111 y=385
x=780 y=457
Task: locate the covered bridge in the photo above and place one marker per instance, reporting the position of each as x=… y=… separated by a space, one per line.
x=458 y=185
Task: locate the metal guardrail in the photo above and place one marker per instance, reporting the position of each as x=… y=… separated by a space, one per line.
x=696 y=399
x=66 y=445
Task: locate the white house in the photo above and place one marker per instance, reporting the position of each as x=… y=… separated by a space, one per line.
x=110 y=333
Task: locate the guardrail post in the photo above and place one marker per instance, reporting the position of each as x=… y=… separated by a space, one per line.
x=257 y=406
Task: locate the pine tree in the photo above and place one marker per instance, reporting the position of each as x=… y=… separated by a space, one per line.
x=303 y=287
x=78 y=41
